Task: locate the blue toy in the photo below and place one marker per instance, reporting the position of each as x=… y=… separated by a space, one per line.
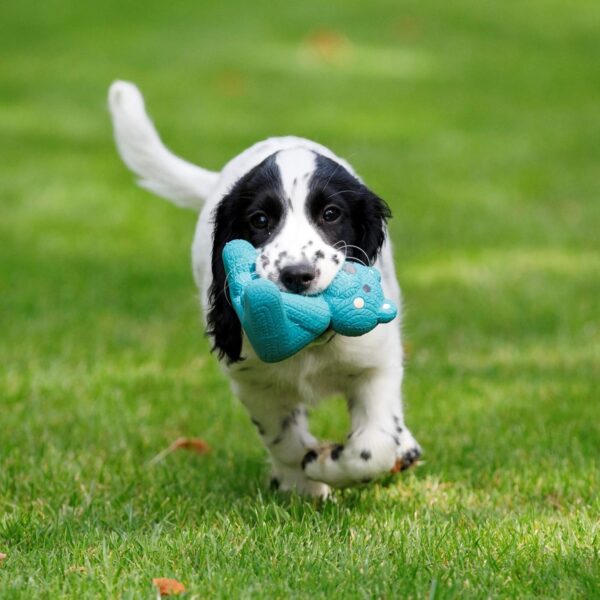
x=279 y=324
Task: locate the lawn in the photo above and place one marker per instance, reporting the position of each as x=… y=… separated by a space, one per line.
x=479 y=122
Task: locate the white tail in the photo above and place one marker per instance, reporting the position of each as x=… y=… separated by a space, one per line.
x=142 y=150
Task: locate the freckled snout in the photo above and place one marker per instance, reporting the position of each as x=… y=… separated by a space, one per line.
x=298 y=277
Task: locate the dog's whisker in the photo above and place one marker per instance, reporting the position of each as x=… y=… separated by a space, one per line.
x=368 y=263
x=225 y=288
x=342 y=192
x=342 y=249
x=331 y=177
x=224 y=291
x=345 y=250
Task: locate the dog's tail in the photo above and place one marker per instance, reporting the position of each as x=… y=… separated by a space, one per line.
x=142 y=150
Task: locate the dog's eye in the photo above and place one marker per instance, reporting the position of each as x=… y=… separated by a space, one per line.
x=331 y=214
x=259 y=220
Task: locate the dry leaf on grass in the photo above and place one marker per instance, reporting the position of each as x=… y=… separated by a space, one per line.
x=192 y=444
x=75 y=569
x=231 y=83
x=2 y=556
x=328 y=45
x=168 y=587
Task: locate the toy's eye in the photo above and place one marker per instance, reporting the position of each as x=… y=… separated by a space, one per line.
x=259 y=220
x=331 y=214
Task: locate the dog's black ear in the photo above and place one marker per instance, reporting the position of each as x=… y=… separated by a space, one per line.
x=223 y=323
x=371 y=224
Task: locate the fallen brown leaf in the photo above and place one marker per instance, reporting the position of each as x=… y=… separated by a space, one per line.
x=191 y=444
x=2 y=556
x=195 y=444
x=75 y=569
x=231 y=83
x=168 y=587
x=328 y=44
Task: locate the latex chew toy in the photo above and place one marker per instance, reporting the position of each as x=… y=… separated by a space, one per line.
x=278 y=324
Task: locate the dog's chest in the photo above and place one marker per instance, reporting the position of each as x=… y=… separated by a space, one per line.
x=332 y=366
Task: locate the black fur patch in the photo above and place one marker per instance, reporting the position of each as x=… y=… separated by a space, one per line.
x=409 y=458
x=365 y=455
x=258 y=426
x=290 y=419
x=336 y=451
x=309 y=457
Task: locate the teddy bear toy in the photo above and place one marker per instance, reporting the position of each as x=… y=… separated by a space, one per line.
x=279 y=324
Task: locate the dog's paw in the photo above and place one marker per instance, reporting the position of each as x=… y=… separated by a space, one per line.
x=291 y=479
x=407 y=460
x=408 y=452
x=358 y=462
x=367 y=456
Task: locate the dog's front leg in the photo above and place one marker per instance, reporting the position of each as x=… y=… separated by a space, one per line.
x=282 y=423
x=378 y=442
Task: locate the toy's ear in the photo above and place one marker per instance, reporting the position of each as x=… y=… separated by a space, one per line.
x=387 y=311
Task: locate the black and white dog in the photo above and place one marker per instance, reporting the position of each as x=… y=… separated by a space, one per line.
x=307 y=211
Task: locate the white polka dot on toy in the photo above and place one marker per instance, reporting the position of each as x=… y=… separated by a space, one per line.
x=358 y=303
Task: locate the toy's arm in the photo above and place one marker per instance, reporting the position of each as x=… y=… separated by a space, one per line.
x=310 y=313
x=280 y=324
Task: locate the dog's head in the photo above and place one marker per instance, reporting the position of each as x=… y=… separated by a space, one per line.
x=306 y=214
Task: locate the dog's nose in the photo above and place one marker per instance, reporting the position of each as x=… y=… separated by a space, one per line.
x=297 y=278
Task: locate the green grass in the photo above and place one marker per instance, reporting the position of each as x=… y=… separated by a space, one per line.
x=478 y=122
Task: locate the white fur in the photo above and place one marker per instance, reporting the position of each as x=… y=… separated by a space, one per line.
x=142 y=150
x=367 y=370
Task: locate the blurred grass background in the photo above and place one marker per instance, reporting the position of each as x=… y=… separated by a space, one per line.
x=478 y=122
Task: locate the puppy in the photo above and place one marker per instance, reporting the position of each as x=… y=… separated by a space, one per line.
x=306 y=211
